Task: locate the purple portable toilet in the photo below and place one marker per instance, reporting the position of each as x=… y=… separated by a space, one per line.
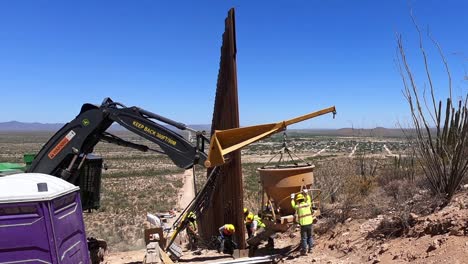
x=41 y=220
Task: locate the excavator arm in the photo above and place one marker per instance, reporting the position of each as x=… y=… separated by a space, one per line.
x=64 y=153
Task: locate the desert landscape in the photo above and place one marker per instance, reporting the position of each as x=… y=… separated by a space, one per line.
x=374 y=203
x=126 y=136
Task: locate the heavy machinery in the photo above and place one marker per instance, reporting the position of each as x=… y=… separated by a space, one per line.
x=68 y=153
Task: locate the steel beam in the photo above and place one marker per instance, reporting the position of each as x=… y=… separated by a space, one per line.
x=227 y=203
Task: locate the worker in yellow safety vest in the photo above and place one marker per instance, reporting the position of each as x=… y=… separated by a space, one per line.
x=252 y=223
x=305 y=217
x=192 y=231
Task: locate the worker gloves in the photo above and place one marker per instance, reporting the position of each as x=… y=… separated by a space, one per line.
x=293 y=195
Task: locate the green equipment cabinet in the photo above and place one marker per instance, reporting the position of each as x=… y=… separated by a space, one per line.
x=7 y=168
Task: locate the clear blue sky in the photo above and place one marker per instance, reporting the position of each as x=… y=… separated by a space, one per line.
x=294 y=57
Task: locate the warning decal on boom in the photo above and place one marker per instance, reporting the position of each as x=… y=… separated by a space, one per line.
x=56 y=150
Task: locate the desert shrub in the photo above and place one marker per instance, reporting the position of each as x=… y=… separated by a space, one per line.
x=395 y=226
x=344 y=193
x=178 y=183
x=441 y=126
x=325 y=224
x=355 y=189
x=143 y=173
x=400 y=190
x=365 y=165
x=330 y=177
x=376 y=203
x=404 y=201
x=252 y=186
x=357 y=186
x=398 y=168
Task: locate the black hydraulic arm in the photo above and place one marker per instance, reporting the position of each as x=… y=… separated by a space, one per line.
x=108 y=137
x=183 y=153
x=76 y=139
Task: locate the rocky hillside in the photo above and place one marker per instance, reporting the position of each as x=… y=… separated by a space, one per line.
x=439 y=237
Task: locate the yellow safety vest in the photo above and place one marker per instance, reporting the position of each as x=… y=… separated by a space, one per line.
x=193 y=228
x=304 y=211
x=259 y=221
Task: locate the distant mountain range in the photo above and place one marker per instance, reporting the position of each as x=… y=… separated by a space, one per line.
x=15 y=126
x=358 y=132
x=20 y=126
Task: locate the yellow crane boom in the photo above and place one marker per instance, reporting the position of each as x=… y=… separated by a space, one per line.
x=226 y=141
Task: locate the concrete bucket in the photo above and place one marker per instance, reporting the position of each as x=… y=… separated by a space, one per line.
x=280 y=182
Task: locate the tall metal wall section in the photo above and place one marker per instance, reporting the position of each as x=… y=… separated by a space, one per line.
x=227 y=203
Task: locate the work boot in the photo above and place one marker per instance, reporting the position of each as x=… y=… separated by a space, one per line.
x=309 y=250
x=303 y=252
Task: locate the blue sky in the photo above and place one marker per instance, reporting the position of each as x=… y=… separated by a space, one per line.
x=294 y=57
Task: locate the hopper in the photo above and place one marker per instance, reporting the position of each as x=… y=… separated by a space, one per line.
x=280 y=182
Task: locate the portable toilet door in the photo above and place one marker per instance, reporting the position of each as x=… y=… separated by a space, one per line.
x=41 y=220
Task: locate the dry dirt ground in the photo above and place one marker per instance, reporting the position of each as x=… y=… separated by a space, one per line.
x=186 y=195
x=441 y=237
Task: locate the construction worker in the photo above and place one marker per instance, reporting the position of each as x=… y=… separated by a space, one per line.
x=192 y=230
x=259 y=225
x=305 y=218
x=227 y=244
x=246 y=211
x=255 y=224
x=249 y=225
